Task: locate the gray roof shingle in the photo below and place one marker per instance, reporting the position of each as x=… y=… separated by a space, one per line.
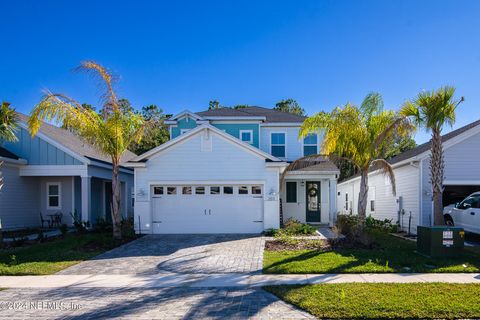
x=424 y=147
x=73 y=142
x=270 y=114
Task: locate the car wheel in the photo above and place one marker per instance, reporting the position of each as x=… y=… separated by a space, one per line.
x=449 y=222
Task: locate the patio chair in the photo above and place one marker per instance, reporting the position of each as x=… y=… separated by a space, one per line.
x=58 y=219
x=49 y=223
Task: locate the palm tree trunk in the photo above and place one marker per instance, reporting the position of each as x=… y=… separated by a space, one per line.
x=116 y=216
x=436 y=177
x=363 y=196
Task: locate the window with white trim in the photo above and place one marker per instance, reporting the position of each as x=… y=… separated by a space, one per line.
x=310 y=145
x=246 y=136
x=54 y=195
x=182 y=131
x=278 y=144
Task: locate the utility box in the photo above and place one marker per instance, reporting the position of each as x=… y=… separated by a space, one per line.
x=440 y=241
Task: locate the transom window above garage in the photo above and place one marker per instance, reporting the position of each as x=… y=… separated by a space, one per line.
x=202 y=190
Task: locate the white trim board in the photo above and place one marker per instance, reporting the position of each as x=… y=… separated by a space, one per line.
x=53 y=171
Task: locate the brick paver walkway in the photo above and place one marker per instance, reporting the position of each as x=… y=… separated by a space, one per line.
x=188 y=254
x=157 y=303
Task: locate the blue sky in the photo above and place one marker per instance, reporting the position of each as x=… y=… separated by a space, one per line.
x=181 y=54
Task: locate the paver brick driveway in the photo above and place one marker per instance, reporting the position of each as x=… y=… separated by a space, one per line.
x=189 y=254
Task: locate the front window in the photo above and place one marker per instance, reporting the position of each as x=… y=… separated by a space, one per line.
x=278 y=145
x=310 y=145
x=53 y=195
x=291 y=192
x=246 y=136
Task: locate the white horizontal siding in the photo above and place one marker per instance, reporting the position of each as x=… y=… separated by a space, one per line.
x=461 y=167
x=186 y=161
x=380 y=190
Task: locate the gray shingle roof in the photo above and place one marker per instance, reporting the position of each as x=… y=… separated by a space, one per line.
x=75 y=143
x=270 y=114
x=7 y=154
x=424 y=147
x=319 y=163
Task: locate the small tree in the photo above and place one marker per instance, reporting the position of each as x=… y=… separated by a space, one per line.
x=112 y=132
x=289 y=106
x=359 y=135
x=8 y=126
x=433 y=110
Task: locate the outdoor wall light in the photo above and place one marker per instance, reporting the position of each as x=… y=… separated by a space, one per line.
x=147 y=225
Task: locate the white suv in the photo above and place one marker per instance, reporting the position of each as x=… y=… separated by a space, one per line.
x=465 y=214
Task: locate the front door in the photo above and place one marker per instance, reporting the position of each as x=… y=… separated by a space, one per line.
x=312 y=191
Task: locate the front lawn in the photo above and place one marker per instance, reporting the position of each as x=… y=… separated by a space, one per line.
x=382 y=300
x=55 y=255
x=390 y=254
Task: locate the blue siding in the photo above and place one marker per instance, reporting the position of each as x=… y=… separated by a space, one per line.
x=185 y=123
x=234 y=130
x=38 y=152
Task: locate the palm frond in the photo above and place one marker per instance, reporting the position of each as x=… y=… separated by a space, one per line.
x=387 y=170
x=8 y=123
x=105 y=80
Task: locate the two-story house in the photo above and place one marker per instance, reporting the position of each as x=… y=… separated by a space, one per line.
x=221 y=173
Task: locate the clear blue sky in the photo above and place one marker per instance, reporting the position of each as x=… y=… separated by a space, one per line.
x=181 y=54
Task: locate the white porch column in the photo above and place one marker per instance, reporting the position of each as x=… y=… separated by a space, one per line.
x=86 y=197
x=333 y=202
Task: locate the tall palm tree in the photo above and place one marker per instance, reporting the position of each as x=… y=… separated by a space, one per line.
x=358 y=135
x=111 y=132
x=8 y=126
x=433 y=110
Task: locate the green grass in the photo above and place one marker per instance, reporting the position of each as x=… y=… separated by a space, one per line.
x=391 y=255
x=55 y=255
x=382 y=300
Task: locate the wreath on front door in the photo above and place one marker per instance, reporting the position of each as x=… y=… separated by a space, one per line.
x=312 y=192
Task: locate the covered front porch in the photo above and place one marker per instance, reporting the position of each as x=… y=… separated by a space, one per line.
x=309 y=194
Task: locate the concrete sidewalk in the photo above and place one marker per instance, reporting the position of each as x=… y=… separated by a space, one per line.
x=164 y=280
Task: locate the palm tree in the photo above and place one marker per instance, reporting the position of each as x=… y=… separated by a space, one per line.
x=358 y=135
x=111 y=132
x=433 y=110
x=8 y=126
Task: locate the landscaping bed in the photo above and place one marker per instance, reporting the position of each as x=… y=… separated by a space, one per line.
x=54 y=254
x=384 y=301
x=371 y=250
x=388 y=254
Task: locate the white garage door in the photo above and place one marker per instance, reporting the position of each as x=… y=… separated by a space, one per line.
x=207 y=209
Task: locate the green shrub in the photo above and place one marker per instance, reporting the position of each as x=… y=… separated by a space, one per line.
x=381 y=225
x=272 y=232
x=102 y=225
x=63 y=229
x=127 y=227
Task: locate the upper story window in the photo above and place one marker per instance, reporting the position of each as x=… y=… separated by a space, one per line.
x=53 y=195
x=278 y=144
x=182 y=131
x=310 y=145
x=246 y=136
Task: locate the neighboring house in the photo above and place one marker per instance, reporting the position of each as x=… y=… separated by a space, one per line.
x=412 y=204
x=56 y=172
x=221 y=170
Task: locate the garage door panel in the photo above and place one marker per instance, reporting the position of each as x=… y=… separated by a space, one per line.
x=208 y=213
